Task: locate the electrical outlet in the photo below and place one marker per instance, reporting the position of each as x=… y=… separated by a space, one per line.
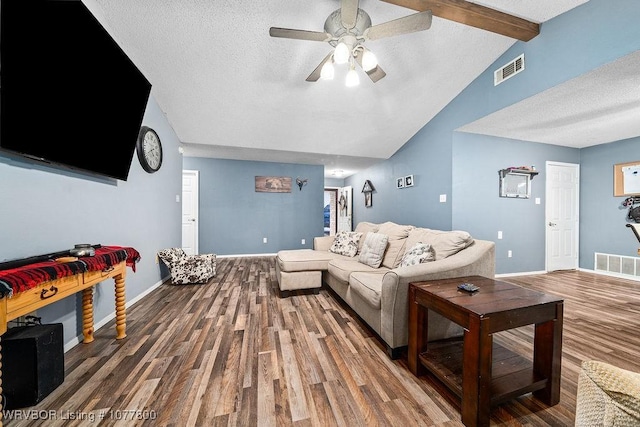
x=264 y=240
x=303 y=241
x=509 y=254
x=499 y=235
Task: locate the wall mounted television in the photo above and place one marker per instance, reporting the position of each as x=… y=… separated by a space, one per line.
x=69 y=95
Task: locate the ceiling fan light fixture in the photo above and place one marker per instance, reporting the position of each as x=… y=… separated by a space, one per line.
x=327 y=72
x=341 y=54
x=369 y=61
x=352 y=78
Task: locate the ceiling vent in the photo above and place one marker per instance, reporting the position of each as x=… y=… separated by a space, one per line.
x=509 y=70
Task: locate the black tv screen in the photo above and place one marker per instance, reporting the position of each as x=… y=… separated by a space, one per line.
x=69 y=95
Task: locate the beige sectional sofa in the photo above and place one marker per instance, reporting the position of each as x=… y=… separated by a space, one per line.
x=348 y=262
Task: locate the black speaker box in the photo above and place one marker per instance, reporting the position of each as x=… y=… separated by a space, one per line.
x=32 y=364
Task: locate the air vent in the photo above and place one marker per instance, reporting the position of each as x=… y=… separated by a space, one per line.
x=618 y=265
x=509 y=70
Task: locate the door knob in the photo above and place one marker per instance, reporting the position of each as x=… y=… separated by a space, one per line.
x=552 y=224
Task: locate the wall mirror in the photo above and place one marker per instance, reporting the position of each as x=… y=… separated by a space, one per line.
x=514 y=184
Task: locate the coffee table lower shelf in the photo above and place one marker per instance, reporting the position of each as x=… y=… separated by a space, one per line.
x=512 y=374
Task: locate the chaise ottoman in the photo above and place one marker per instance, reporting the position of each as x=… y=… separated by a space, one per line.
x=301 y=269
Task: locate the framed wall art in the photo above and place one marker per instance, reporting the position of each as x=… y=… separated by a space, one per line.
x=273 y=184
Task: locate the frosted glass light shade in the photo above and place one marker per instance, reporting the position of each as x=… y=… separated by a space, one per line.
x=341 y=54
x=327 y=71
x=369 y=61
x=352 y=78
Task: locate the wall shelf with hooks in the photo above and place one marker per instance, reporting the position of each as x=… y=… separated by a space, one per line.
x=504 y=172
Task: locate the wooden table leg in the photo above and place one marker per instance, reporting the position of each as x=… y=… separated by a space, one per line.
x=547 y=356
x=418 y=337
x=121 y=313
x=87 y=315
x=1 y=402
x=477 y=362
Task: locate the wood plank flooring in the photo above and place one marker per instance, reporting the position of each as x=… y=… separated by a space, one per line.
x=233 y=353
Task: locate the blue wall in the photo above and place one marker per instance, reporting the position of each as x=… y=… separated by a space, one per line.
x=570 y=45
x=48 y=210
x=602 y=218
x=234 y=218
x=478 y=209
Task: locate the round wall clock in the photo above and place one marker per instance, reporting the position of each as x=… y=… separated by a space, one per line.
x=149 y=149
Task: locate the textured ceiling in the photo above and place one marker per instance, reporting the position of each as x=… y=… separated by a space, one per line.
x=598 y=107
x=231 y=91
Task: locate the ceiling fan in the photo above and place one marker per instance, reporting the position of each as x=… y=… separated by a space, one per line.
x=347 y=29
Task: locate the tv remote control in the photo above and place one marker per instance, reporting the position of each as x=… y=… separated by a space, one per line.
x=468 y=287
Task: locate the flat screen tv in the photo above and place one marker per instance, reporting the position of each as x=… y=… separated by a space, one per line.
x=69 y=95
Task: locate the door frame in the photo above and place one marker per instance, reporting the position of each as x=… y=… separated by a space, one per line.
x=196 y=200
x=547 y=244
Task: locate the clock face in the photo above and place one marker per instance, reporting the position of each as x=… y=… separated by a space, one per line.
x=149 y=150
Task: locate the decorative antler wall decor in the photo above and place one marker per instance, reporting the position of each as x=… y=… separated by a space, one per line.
x=301 y=182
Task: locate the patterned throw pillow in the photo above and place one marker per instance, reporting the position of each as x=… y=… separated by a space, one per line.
x=346 y=243
x=373 y=249
x=421 y=252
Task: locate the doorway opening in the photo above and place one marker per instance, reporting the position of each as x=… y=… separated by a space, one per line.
x=330 y=211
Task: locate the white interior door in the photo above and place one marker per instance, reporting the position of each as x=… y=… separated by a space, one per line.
x=190 y=211
x=345 y=200
x=561 y=215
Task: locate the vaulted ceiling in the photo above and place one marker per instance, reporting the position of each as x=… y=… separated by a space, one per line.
x=229 y=90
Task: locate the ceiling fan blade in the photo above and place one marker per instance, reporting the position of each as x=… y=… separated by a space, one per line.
x=374 y=74
x=289 y=33
x=315 y=74
x=475 y=15
x=349 y=13
x=408 y=24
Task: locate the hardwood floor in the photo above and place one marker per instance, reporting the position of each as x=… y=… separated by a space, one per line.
x=233 y=353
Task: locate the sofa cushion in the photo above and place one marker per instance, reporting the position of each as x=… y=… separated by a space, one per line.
x=342 y=268
x=304 y=260
x=364 y=228
x=419 y=253
x=373 y=249
x=368 y=286
x=397 y=238
x=444 y=243
x=346 y=243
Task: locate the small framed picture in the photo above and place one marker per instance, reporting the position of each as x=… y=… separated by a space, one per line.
x=368 y=199
x=400 y=182
x=408 y=181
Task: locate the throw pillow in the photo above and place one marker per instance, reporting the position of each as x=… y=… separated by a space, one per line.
x=346 y=243
x=421 y=252
x=373 y=249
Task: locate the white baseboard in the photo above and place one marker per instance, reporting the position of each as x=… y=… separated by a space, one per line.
x=77 y=340
x=610 y=274
x=244 y=255
x=524 y=273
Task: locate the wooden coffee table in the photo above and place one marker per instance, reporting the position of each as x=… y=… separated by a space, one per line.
x=479 y=372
